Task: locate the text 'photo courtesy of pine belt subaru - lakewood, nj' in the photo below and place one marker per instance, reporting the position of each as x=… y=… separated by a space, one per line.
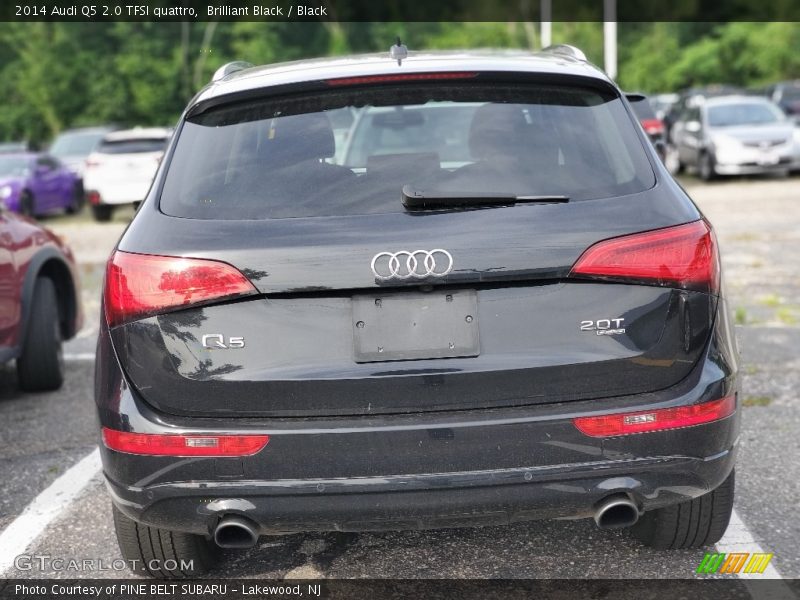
x=499 y=307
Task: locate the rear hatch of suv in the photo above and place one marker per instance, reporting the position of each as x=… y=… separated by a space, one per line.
x=516 y=250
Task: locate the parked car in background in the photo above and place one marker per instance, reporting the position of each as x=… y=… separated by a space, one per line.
x=786 y=94
x=38 y=184
x=529 y=325
x=652 y=125
x=14 y=147
x=121 y=168
x=735 y=135
x=73 y=146
x=662 y=103
x=692 y=97
x=39 y=301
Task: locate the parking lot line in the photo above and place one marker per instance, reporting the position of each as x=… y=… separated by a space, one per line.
x=738 y=538
x=79 y=356
x=23 y=530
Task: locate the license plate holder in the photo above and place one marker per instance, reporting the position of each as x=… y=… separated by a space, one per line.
x=415 y=325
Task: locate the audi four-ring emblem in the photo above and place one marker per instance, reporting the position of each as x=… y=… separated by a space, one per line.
x=411 y=265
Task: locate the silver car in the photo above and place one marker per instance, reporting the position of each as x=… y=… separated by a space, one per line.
x=736 y=135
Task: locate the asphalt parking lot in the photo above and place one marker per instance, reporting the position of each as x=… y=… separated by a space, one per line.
x=758 y=226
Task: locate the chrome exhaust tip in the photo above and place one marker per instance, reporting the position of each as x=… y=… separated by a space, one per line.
x=235 y=532
x=616 y=511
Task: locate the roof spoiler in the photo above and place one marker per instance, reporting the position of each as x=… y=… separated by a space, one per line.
x=566 y=51
x=231 y=67
x=635 y=96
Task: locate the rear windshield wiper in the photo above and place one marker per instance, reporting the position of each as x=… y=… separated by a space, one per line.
x=414 y=199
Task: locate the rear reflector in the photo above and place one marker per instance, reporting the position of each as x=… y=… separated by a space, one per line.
x=93 y=197
x=684 y=256
x=372 y=79
x=183 y=445
x=141 y=285
x=656 y=420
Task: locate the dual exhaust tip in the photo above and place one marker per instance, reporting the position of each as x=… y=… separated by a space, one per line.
x=239 y=532
x=615 y=512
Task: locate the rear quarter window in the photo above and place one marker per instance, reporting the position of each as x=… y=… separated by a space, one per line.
x=351 y=151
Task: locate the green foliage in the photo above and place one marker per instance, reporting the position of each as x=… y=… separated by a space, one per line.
x=60 y=75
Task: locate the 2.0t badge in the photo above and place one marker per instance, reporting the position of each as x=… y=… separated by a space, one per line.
x=604 y=326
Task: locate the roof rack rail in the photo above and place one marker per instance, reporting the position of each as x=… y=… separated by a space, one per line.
x=231 y=67
x=565 y=50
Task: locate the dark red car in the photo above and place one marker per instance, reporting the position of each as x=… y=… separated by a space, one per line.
x=39 y=304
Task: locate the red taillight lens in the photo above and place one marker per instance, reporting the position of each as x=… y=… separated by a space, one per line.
x=140 y=285
x=656 y=420
x=653 y=126
x=373 y=79
x=93 y=197
x=183 y=445
x=684 y=256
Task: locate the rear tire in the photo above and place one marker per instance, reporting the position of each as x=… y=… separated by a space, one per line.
x=40 y=367
x=77 y=200
x=706 y=167
x=691 y=524
x=27 y=205
x=102 y=212
x=162 y=553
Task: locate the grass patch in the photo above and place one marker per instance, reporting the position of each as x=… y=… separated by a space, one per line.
x=771 y=300
x=751 y=370
x=787 y=316
x=744 y=237
x=740 y=315
x=757 y=401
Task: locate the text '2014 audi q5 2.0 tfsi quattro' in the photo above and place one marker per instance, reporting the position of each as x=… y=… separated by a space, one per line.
x=492 y=304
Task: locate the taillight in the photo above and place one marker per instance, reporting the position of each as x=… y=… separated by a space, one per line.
x=141 y=285
x=684 y=256
x=372 y=79
x=93 y=197
x=653 y=126
x=183 y=445
x=656 y=420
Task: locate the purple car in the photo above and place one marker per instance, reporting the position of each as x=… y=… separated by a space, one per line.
x=36 y=184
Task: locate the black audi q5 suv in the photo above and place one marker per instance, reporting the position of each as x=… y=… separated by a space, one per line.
x=459 y=290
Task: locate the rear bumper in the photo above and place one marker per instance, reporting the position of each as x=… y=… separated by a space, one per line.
x=437 y=469
x=752 y=167
x=424 y=501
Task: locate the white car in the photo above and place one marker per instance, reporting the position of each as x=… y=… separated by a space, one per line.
x=122 y=168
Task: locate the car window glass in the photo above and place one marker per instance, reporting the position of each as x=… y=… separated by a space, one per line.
x=75 y=144
x=730 y=115
x=132 y=146
x=284 y=158
x=14 y=166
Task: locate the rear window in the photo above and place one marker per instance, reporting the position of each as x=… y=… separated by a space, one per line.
x=75 y=144
x=351 y=151
x=753 y=113
x=134 y=146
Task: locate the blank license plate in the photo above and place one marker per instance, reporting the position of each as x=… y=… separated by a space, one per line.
x=408 y=326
